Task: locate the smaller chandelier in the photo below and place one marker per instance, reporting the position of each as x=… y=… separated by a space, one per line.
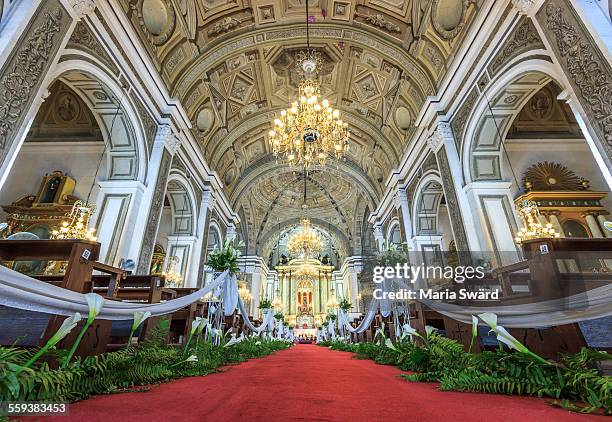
x=332 y=303
x=306 y=272
x=245 y=293
x=76 y=227
x=277 y=304
x=532 y=228
x=305 y=242
x=173 y=277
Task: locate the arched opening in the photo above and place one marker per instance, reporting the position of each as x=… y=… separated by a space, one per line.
x=175 y=234
x=525 y=143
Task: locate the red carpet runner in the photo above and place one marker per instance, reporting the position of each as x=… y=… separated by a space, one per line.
x=311 y=383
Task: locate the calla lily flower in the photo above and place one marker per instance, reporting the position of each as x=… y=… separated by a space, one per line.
x=474 y=332
x=196 y=323
x=95 y=303
x=410 y=331
x=429 y=329
x=504 y=337
x=390 y=345
x=490 y=319
x=139 y=318
x=233 y=340
x=67 y=326
x=192 y=358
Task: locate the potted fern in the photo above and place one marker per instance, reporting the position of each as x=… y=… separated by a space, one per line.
x=265 y=304
x=345 y=305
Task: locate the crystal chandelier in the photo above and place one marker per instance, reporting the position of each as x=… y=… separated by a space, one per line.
x=532 y=228
x=76 y=227
x=245 y=293
x=277 y=304
x=305 y=242
x=306 y=272
x=310 y=130
x=173 y=277
x=332 y=303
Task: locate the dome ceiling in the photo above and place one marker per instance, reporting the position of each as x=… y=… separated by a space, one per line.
x=231 y=66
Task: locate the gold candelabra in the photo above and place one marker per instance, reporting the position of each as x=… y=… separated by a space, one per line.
x=532 y=227
x=245 y=293
x=76 y=226
x=172 y=276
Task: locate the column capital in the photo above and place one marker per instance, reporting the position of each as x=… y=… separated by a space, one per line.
x=527 y=7
x=82 y=8
x=166 y=135
x=401 y=197
x=208 y=198
x=436 y=140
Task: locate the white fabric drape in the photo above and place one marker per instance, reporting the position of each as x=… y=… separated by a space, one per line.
x=230 y=294
x=592 y=304
x=23 y=292
x=365 y=323
x=268 y=317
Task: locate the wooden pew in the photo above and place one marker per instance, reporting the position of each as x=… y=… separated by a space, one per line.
x=133 y=288
x=81 y=256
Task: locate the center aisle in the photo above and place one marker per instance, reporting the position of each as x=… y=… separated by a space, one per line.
x=309 y=382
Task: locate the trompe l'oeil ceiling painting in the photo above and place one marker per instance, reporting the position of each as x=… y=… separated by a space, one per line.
x=232 y=65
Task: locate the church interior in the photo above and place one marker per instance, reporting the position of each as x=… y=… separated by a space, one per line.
x=188 y=185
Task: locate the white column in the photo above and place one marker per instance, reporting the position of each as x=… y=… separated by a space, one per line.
x=593 y=225
x=401 y=202
x=255 y=289
x=353 y=268
x=554 y=220
x=379 y=236
x=443 y=138
x=164 y=140
x=602 y=220
x=206 y=205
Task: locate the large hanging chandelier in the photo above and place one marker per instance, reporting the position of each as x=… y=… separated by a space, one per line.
x=310 y=130
x=532 y=227
x=76 y=226
x=305 y=242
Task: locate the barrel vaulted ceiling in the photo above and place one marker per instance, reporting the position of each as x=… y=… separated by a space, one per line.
x=231 y=64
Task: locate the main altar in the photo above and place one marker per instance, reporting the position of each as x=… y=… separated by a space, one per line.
x=304 y=288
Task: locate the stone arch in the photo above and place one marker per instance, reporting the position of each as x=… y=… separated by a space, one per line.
x=182 y=203
x=426 y=204
x=482 y=152
x=214 y=234
x=392 y=229
x=115 y=113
